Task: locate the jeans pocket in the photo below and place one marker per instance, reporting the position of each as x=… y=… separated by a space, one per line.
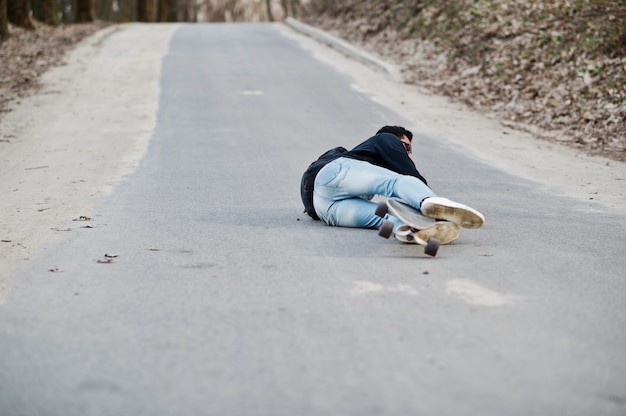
x=332 y=174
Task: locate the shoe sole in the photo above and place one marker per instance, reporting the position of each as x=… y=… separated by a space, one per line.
x=444 y=231
x=459 y=214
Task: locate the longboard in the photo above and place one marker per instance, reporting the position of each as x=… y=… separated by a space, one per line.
x=412 y=218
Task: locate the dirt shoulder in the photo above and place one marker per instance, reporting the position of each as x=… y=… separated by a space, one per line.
x=554 y=68
x=27 y=54
x=86 y=127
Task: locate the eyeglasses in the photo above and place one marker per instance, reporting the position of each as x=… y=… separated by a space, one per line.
x=407 y=147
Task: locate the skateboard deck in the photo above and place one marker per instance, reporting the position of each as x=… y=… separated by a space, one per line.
x=408 y=215
x=414 y=222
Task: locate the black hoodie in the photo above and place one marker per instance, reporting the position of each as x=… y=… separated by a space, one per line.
x=384 y=150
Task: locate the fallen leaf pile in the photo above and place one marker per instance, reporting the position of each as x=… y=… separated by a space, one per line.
x=556 y=68
x=27 y=54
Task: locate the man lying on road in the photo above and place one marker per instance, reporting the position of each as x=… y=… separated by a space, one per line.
x=337 y=188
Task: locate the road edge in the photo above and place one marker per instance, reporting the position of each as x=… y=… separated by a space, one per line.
x=73 y=140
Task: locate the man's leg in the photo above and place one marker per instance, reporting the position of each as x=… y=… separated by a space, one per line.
x=355 y=212
x=340 y=186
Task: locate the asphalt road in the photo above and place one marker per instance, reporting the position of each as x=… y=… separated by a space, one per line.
x=224 y=299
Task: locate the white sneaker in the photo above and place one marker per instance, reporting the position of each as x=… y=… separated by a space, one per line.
x=444 y=231
x=445 y=209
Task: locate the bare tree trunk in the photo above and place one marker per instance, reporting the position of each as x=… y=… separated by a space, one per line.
x=187 y=11
x=46 y=11
x=67 y=11
x=84 y=11
x=182 y=11
x=145 y=11
x=4 y=23
x=268 y=5
x=290 y=7
x=163 y=7
x=127 y=11
x=172 y=12
x=103 y=9
x=295 y=4
x=18 y=13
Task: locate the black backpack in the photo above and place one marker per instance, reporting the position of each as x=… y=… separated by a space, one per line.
x=308 y=178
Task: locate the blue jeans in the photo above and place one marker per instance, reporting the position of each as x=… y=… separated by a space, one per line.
x=341 y=185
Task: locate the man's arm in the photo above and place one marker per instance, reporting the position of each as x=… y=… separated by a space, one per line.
x=394 y=156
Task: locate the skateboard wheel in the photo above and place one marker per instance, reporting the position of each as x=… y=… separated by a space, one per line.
x=386 y=229
x=432 y=247
x=382 y=209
